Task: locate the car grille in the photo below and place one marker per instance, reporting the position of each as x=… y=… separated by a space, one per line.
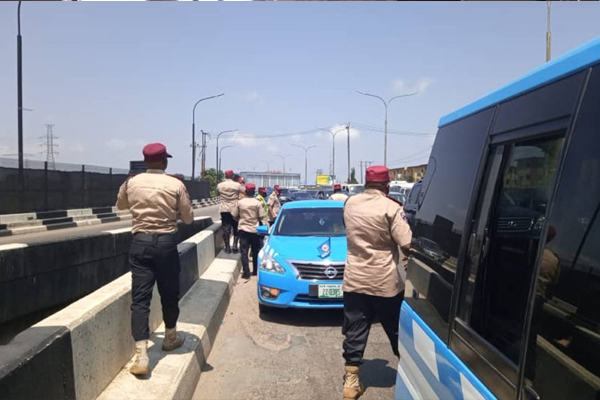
x=514 y=224
x=310 y=271
x=311 y=299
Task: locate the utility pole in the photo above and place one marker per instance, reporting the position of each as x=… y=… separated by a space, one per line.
x=348 y=129
x=203 y=173
x=361 y=174
x=548 y=35
x=50 y=146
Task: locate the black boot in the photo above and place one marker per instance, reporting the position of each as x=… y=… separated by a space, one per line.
x=227 y=247
x=235 y=244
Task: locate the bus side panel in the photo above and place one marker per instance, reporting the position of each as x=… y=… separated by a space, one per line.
x=428 y=369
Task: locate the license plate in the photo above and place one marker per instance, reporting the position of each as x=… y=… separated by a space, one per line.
x=330 y=292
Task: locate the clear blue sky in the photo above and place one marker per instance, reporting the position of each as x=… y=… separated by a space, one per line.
x=112 y=76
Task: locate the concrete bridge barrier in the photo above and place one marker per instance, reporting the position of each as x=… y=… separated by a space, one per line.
x=77 y=352
x=40 y=276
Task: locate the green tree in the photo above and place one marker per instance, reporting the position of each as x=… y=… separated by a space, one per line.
x=211 y=176
x=353 y=176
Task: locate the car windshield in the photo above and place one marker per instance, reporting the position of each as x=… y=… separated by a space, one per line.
x=395 y=189
x=302 y=196
x=311 y=222
x=284 y=191
x=356 y=189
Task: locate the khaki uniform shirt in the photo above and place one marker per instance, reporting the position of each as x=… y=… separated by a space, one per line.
x=338 y=197
x=375 y=229
x=250 y=213
x=154 y=199
x=229 y=191
x=274 y=205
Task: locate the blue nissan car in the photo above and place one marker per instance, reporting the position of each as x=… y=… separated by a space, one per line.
x=302 y=262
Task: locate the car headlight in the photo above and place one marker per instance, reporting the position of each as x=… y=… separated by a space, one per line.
x=268 y=263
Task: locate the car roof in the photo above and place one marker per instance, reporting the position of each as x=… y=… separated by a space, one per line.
x=313 y=204
x=574 y=61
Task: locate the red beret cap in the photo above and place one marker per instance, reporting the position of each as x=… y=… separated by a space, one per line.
x=377 y=173
x=155 y=152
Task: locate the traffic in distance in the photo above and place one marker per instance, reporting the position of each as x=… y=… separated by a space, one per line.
x=503 y=275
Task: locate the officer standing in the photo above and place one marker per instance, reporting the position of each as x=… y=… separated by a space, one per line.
x=337 y=193
x=155 y=200
x=262 y=197
x=229 y=193
x=250 y=213
x=373 y=287
x=274 y=205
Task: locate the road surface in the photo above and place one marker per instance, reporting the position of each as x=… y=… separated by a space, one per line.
x=290 y=354
x=64 y=234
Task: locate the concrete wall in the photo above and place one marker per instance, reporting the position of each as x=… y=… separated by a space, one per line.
x=77 y=352
x=62 y=190
x=41 y=276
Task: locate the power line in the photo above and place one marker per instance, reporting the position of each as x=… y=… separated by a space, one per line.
x=412 y=156
x=390 y=131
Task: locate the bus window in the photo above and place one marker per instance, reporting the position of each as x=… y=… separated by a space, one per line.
x=564 y=339
x=509 y=220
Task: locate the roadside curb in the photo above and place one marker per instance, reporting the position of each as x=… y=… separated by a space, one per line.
x=174 y=375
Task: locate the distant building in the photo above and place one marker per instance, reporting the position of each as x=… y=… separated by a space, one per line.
x=271 y=178
x=409 y=174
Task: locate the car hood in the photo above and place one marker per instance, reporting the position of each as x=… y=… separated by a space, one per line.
x=306 y=248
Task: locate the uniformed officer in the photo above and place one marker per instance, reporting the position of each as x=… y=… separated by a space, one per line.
x=274 y=205
x=242 y=183
x=155 y=200
x=262 y=197
x=229 y=193
x=373 y=287
x=337 y=193
x=250 y=213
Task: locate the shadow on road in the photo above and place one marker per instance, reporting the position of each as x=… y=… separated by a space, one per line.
x=302 y=317
x=377 y=373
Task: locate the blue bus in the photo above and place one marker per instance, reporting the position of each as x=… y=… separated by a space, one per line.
x=502 y=297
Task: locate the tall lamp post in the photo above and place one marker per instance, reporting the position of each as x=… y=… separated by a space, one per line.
x=306 y=149
x=283 y=158
x=385 y=104
x=217 y=156
x=333 y=140
x=221 y=155
x=194 y=131
x=20 y=97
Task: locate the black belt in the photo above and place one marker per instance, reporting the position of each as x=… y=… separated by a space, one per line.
x=156 y=237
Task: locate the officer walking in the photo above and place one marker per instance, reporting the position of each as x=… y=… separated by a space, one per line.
x=155 y=200
x=229 y=193
x=250 y=213
x=274 y=205
x=337 y=193
x=373 y=287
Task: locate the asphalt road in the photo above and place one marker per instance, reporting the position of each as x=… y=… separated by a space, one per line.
x=65 y=234
x=291 y=354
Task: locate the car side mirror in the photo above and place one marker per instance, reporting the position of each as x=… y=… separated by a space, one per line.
x=262 y=230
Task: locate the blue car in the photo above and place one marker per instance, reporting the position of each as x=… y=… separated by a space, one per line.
x=302 y=262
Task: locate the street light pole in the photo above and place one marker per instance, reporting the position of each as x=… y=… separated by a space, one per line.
x=306 y=149
x=333 y=140
x=20 y=96
x=548 y=35
x=221 y=156
x=283 y=158
x=217 y=155
x=385 y=104
x=194 y=131
x=348 y=129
